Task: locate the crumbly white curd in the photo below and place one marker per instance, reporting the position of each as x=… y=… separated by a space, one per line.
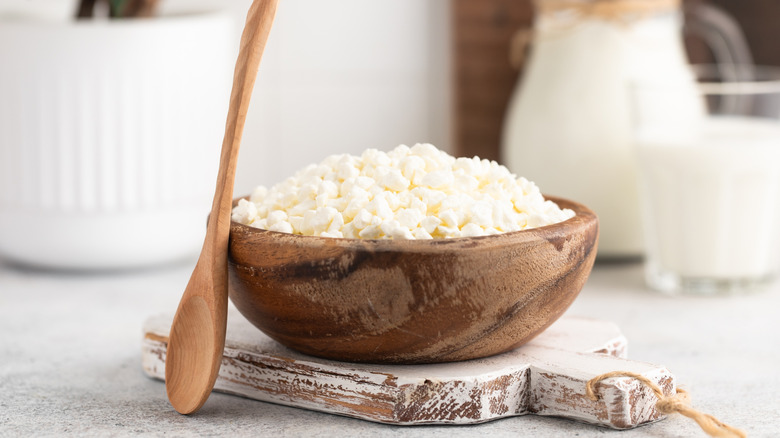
x=407 y=193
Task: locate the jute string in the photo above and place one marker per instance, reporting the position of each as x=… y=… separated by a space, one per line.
x=677 y=403
x=621 y=11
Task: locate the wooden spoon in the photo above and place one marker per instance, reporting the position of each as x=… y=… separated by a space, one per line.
x=197 y=336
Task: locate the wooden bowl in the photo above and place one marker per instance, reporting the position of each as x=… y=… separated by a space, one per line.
x=410 y=301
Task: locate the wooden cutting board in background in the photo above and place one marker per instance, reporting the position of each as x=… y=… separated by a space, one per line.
x=484 y=79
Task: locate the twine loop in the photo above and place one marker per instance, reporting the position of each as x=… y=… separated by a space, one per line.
x=679 y=403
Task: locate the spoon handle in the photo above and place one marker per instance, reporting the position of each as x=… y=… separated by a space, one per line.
x=253 y=41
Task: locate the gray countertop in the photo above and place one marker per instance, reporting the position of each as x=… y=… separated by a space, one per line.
x=70 y=361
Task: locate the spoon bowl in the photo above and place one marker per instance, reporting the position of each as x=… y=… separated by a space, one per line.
x=410 y=301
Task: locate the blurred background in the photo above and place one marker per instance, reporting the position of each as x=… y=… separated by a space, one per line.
x=392 y=71
x=438 y=70
x=483 y=32
x=337 y=77
x=341 y=77
x=128 y=113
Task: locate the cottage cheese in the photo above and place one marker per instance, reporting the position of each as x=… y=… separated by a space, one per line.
x=407 y=193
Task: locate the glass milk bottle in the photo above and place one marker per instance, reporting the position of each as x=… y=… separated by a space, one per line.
x=568 y=125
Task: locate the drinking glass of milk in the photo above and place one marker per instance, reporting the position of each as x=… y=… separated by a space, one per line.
x=709 y=176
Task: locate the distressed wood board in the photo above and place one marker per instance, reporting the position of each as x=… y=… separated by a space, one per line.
x=544 y=377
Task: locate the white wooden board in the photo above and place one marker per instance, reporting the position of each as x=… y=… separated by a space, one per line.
x=544 y=377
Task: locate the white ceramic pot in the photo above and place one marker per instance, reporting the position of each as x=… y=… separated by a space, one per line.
x=109 y=138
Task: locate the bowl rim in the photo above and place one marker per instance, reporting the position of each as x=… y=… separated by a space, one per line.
x=583 y=216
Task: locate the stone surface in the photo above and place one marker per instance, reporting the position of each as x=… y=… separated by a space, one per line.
x=59 y=376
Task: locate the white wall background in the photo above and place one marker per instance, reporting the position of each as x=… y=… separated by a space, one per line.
x=342 y=76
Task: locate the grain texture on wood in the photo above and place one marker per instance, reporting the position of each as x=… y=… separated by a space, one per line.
x=410 y=301
x=197 y=337
x=484 y=78
x=545 y=377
